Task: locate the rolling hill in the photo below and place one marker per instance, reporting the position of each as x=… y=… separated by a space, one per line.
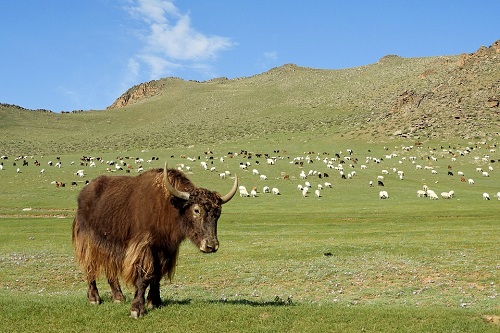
x=417 y=99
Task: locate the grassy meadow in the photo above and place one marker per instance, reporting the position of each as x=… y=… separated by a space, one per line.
x=347 y=261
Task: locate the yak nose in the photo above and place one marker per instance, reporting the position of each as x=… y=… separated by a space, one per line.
x=209 y=246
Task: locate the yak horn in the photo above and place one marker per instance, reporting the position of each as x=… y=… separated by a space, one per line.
x=171 y=188
x=232 y=192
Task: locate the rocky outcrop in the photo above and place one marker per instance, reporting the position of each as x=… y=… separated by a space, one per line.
x=135 y=94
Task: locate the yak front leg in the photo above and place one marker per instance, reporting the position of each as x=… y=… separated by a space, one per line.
x=154 y=299
x=137 y=309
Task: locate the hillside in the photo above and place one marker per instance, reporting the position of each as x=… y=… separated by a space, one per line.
x=414 y=98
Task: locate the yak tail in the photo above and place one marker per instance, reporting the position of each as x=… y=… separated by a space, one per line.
x=93 y=256
x=84 y=252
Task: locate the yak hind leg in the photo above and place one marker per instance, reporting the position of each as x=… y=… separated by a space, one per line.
x=137 y=308
x=154 y=299
x=116 y=290
x=93 y=293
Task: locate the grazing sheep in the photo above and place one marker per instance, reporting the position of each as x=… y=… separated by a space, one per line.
x=327 y=184
x=498 y=195
x=243 y=191
x=471 y=181
x=263 y=177
x=253 y=193
x=446 y=195
x=485 y=174
x=317 y=193
x=486 y=196
x=266 y=189
x=304 y=191
x=432 y=195
x=421 y=194
x=222 y=175
x=383 y=195
x=275 y=191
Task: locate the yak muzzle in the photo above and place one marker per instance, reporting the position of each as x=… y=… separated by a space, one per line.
x=209 y=246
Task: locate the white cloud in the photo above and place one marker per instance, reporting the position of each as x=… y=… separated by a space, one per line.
x=171 y=42
x=271 y=55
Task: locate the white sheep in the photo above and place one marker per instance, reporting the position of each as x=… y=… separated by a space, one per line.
x=432 y=195
x=305 y=190
x=266 y=189
x=486 y=196
x=317 y=193
x=327 y=184
x=243 y=191
x=263 y=177
x=498 y=195
x=470 y=181
x=222 y=175
x=485 y=174
x=421 y=194
x=445 y=195
x=253 y=193
x=383 y=195
x=255 y=172
x=275 y=191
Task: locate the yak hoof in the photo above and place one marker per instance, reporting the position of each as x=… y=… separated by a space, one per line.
x=95 y=302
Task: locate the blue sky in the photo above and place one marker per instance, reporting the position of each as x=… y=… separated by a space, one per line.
x=65 y=55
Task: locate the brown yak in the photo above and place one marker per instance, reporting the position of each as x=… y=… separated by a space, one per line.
x=132 y=227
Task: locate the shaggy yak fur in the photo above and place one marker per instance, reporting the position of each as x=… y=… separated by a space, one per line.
x=131 y=227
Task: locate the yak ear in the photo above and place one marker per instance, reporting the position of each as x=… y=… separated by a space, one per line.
x=170 y=188
x=232 y=192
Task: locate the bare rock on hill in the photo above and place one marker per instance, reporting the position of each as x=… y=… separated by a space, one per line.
x=134 y=94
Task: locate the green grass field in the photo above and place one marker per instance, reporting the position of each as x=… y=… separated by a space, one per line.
x=345 y=262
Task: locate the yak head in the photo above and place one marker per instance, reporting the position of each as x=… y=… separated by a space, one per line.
x=200 y=210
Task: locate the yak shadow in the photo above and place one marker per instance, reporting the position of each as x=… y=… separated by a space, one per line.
x=276 y=302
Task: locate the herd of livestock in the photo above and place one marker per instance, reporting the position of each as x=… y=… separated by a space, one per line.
x=312 y=172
